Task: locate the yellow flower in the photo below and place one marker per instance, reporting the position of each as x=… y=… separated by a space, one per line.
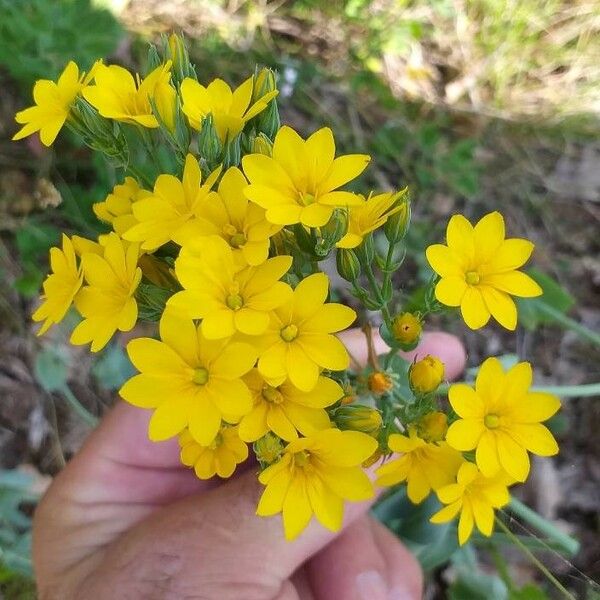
x=107 y=302
x=368 y=216
x=284 y=409
x=60 y=287
x=240 y=223
x=117 y=95
x=299 y=341
x=220 y=457
x=226 y=298
x=314 y=476
x=473 y=496
x=426 y=374
x=423 y=465
x=501 y=419
x=53 y=102
x=298 y=183
x=230 y=110
x=189 y=381
x=406 y=328
x=116 y=209
x=162 y=215
x=478 y=270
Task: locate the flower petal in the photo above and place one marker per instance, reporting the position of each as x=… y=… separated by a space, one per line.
x=465 y=401
x=473 y=309
x=501 y=306
x=451 y=290
x=465 y=434
x=513 y=457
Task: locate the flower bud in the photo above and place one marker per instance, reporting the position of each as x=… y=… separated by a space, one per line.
x=264 y=82
x=396 y=226
x=358 y=418
x=268 y=448
x=406 y=328
x=349 y=394
x=347 y=263
x=331 y=233
x=209 y=144
x=432 y=427
x=380 y=382
x=426 y=375
x=262 y=145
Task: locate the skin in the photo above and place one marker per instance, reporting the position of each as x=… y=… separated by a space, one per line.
x=126 y=520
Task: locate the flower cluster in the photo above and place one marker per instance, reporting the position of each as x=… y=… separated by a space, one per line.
x=216 y=236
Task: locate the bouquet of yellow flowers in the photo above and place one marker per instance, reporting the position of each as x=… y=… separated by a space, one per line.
x=218 y=234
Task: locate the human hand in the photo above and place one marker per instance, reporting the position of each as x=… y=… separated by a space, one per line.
x=125 y=520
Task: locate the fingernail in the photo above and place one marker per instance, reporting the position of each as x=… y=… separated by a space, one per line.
x=370 y=585
x=399 y=592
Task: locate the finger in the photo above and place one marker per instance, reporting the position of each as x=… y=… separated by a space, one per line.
x=219 y=546
x=366 y=562
x=438 y=343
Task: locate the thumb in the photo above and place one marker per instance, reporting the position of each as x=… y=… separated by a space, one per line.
x=213 y=544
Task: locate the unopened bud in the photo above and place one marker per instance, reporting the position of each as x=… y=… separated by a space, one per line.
x=268 y=449
x=262 y=145
x=406 y=329
x=397 y=224
x=332 y=232
x=347 y=263
x=349 y=394
x=209 y=144
x=426 y=375
x=432 y=427
x=358 y=418
x=380 y=382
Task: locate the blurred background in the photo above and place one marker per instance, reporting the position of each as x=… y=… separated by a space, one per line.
x=476 y=105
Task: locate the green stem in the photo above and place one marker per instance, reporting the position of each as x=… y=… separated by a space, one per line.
x=85 y=415
x=568 y=323
x=565 y=542
x=559 y=586
x=385 y=311
x=585 y=390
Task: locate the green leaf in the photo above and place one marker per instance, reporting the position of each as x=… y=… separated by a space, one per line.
x=112 y=368
x=476 y=585
x=528 y=592
x=51 y=368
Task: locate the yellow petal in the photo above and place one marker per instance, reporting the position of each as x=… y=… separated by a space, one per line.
x=154 y=357
x=321 y=147
x=515 y=283
x=343 y=448
x=349 y=483
x=535 y=407
x=325 y=350
x=484 y=516
x=418 y=487
x=513 y=457
x=490 y=379
x=465 y=401
x=180 y=335
x=271 y=501
x=344 y=169
x=254 y=425
x=536 y=438
x=235 y=360
x=315 y=215
x=487 y=454
x=204 y=420
x=309 y=295
x=278 y=423
x=465 y=523
x=445 y=262
x=460 y=238
x=297 y=510
x=447 y=513
x=465 y=434
x=512 y=254
x=451 y=290
x=301 y=368
x=327 y=506
x=147 y=391
x=329 y=318
x=230 y=397
x=168 y=420
x=307 y=420
x=501 y=306
x=488 y=236
x=473 y=309
x=517 y=382
x=251 y=322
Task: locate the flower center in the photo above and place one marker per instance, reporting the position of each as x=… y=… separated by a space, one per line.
x=271 y=394
x=237 y=240
x=200 y=376
x=472 y=277
x=307 y=199
x=289 y=333
x=301 y=459
x=234 y=301
x=491 y=421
